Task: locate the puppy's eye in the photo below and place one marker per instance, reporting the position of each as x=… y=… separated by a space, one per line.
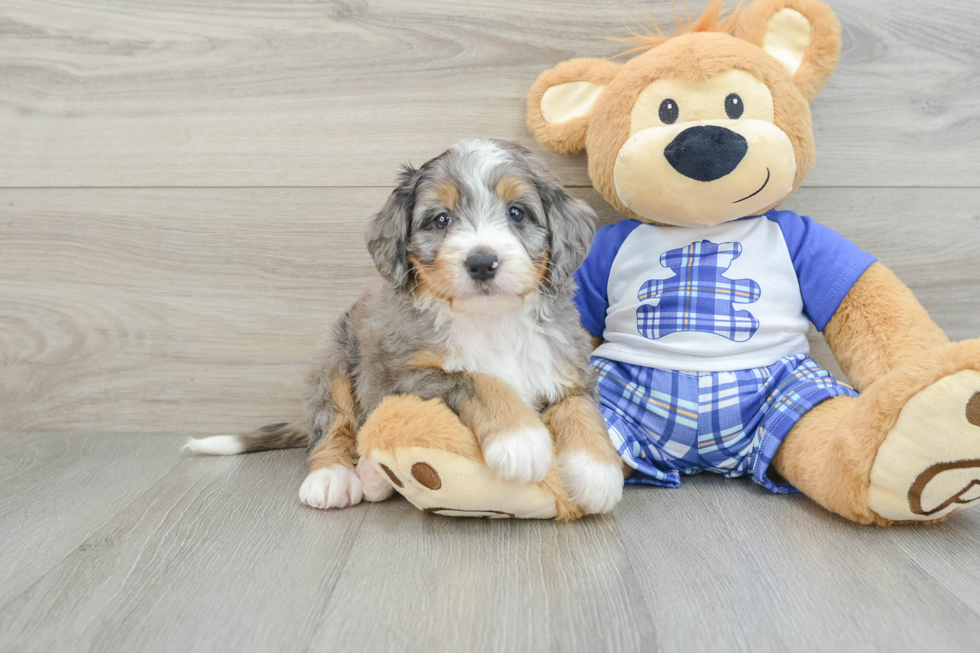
x=668 y=112
x=442 y=221
x=734 y=106
x=516 y=214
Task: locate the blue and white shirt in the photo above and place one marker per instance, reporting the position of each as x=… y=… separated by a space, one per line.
x=734 y=296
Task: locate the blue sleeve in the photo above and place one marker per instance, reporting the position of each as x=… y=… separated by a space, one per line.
x=592 y=278
x=827 y=264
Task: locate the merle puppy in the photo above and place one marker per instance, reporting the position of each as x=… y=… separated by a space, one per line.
x=477 y=249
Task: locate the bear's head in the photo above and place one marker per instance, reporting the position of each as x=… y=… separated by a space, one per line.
x=704 y=127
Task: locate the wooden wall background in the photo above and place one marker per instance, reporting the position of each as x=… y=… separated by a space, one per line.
x=183 y=184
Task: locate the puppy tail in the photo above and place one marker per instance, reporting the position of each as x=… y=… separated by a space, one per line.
x=273 y=436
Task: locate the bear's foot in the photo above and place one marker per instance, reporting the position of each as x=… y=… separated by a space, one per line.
x=435 y=462
x=907 y=450
x=455 y=485
x=928 y=465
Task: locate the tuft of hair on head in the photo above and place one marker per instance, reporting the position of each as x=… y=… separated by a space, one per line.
x=405 y=173
x=714 y=19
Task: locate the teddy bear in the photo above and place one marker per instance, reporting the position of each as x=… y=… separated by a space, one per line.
x=699 y=300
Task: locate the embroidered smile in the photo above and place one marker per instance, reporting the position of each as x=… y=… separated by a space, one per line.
x=764 y=184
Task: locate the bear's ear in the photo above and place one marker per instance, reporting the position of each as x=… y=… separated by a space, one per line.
x=559 y=103
x=803 y=35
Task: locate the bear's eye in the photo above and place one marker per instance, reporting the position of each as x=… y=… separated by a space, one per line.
x=734 y=106
x=668 y=112
x=442 y=221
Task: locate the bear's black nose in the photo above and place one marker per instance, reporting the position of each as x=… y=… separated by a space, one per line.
x=706 y=152
x=482 y=264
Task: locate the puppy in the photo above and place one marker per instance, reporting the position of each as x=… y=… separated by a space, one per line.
x=477 y=249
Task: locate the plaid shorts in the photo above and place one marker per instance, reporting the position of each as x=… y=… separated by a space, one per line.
x=665 y=424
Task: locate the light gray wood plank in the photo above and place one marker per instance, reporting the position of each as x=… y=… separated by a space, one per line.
x=56 y=490
x=198 y=309
x=8 y=438
x=185 y=310
x=263 y=93
x=947 y=555
x=724 y=562
x=416 y=582
x=218 y=556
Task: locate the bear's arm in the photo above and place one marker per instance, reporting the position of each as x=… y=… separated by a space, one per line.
x=879 y=325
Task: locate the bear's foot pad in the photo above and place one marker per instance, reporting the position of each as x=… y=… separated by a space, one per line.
x=445 y=483
x=928 y=467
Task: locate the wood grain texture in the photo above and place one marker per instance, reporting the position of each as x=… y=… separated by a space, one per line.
x=183 y=189
x=947 y=557
x=154 y=296
x=765 y=572
x=197 y=309
x=8 y=438
x=218 y=556
x=449 y=585
x=338 y=93
x=56 y=490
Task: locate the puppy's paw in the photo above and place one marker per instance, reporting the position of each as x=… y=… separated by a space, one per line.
x=594 y=486
x=523 y=456
x=375 y=486
x=333 y=487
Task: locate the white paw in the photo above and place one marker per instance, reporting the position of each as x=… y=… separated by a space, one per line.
x=524 y=456
x=593 y=486
x=375 y=486
x=333 y=487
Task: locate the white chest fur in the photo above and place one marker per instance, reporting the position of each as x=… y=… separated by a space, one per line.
x=511 y=346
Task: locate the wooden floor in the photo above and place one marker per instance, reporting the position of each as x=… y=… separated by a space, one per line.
x=118 y=543
x=183 y=191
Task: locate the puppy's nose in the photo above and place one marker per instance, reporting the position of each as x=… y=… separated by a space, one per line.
x=706 y=152
x=482 y=264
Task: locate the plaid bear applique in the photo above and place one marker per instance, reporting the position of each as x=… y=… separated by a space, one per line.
x=698 y=297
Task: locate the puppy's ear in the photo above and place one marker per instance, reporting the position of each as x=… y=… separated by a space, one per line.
x=803 y=35
x=572 y=224
x=559 y=103
x=387 y=234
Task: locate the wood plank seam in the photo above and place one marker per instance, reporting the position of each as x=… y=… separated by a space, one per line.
x=94 y=529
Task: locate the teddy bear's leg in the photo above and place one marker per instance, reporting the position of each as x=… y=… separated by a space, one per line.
x=907 y=449
x=588 y=464
x=821 y=457
x=435 y=462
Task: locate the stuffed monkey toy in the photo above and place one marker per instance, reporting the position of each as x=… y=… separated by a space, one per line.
x=702 y=295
